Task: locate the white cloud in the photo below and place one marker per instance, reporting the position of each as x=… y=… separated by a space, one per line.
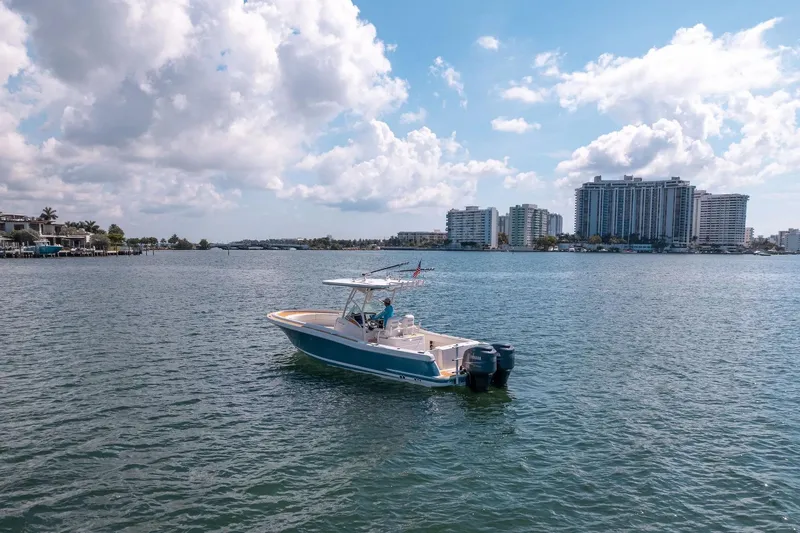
x=391 y=47
x=692 y=76
x=381 y=171
x=488 y=42
x=451 y=77
x=678 y=96
x=524 y=94
x=410 y=117
x=177 y=105
x=547 y=62
x=513 y=125
x=523 y=180
x=651 y=151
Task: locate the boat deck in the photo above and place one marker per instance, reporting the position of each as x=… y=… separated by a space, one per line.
x=446 y=350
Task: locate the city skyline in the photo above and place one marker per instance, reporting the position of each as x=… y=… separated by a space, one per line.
x=234 y=119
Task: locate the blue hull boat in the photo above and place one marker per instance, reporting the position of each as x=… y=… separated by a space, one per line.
x=43 y=247
x=398 y=349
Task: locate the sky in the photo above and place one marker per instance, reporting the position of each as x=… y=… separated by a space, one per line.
x=232 y=119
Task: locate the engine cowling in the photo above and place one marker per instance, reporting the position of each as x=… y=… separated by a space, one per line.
x=480 y=364
x=505 y=363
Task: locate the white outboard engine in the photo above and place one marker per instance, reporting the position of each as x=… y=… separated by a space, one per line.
x=480 y=364
x=407 y=324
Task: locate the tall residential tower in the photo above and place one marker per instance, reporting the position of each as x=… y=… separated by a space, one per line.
x=719 y=218
x=473 y=226
x=555 y=225
x=526 y=224
x=653 y=210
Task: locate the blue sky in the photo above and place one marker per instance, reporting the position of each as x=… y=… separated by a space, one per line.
x=303 y=134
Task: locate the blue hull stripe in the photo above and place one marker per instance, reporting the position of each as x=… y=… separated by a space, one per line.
x=352 y=358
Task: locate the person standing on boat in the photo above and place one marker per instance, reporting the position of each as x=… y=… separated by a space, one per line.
x=386 y=314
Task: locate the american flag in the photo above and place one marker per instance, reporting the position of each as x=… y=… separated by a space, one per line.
x=418 y=270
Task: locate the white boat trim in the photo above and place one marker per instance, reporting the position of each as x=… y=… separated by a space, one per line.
x=399 y=376
x=322 y=332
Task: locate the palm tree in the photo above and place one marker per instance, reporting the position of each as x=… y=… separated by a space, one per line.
x=90 y=226
x=48 y=213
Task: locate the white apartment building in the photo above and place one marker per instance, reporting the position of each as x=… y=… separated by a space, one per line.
x=719 y=218
x=749 y=236
x=790 y=239
x=526 y=223
x=473 y=225
x=782 y=238
x=653 y=210
x=421 y=237
x=555 y=225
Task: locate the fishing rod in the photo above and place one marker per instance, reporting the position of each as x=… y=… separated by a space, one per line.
x=384 y=268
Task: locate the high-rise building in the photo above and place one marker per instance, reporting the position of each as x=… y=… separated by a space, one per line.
x=719 y=218
x=473 y=226
x=539 y=223
x=653 y=210
x=527 y=222
x=555 y=225
x=502 y=224
x=749 y=236
x=792 y=240
x=782 y=238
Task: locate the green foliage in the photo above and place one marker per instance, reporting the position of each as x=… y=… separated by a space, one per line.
x=100 y=241
x=502 y=238
x=203 y=244
x=183 y=244
x=174 y=239
x=90 y=226
x=48 y=213
x=134 y=242
x=595 y=239
x=545 y=243
x=113 y=229
x=24 y=236
x=116 y=238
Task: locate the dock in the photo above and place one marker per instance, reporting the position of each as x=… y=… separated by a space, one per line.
x=19 y=253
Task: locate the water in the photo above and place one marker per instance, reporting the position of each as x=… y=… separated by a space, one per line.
x=653 y=393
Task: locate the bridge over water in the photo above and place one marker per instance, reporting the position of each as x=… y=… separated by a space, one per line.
x=266 y=247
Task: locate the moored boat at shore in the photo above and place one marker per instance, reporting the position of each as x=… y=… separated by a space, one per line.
x=42 y=247
x=397 y=348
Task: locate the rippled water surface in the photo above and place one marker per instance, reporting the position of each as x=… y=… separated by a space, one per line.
x=655 y=393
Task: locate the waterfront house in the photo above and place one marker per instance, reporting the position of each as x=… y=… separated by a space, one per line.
x=50 y=230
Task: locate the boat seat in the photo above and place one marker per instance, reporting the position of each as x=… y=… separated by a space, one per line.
x=391 y=328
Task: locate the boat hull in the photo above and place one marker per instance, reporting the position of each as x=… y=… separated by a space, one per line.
x=337 y=350
x=43 y=249
x=48 y=250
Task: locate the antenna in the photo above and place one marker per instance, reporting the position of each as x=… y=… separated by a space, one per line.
x=384 y=268
x=418 y=269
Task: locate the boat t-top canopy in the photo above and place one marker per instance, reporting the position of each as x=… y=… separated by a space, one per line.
x=374 y=283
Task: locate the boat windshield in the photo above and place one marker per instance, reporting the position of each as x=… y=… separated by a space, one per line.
x=372 y=307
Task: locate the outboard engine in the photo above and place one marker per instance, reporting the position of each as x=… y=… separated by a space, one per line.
x=505 y=363
x=480 y=364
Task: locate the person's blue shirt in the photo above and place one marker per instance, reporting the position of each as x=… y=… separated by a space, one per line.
x=386 y=314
